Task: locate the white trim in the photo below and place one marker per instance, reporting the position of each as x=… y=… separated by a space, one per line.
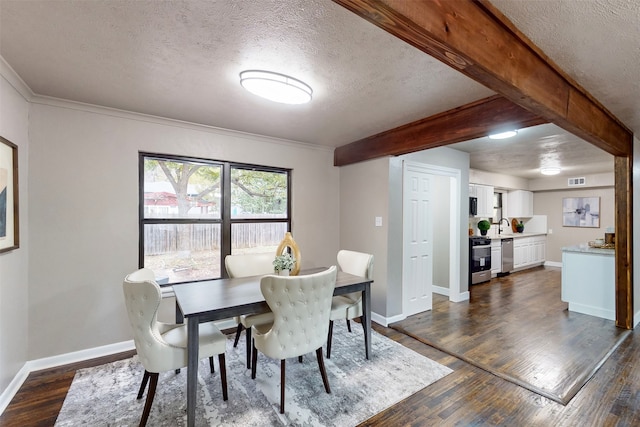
x=54 y=361
x=440 y=290
x=463 y=296
x=386 y=321
x=13 y=387
x=147 y=118
x=552 y=264
x=15 y=80
x=79 y=356
x=592 y=311
x=76 y=356
x=455 y=175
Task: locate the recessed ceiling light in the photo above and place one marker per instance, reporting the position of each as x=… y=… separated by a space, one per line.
x=550 y=171
x=504 y=135
x=276 y=87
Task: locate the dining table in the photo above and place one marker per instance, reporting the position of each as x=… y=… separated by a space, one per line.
x=219 y=299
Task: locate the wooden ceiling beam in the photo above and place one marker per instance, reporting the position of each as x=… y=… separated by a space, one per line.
x=477 y=40
x=474 y=120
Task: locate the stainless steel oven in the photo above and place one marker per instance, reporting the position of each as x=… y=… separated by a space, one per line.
x=479 y=259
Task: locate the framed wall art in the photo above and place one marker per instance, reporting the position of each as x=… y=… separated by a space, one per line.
x=581 y=212
x=9 y=224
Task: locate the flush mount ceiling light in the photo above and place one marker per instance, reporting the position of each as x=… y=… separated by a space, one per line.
x=276 y=87
x=503 y=135
x=550 y=171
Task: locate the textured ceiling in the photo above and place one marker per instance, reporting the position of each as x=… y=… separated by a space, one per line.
x=181 y=60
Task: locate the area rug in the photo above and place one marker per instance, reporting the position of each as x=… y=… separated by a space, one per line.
x=106 y=395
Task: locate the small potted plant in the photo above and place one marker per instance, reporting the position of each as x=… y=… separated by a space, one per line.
x=520 y=227
x=283 y=264
x=484 y=226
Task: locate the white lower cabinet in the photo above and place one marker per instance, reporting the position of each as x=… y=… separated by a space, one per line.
x=496 y=257
x=529 y=251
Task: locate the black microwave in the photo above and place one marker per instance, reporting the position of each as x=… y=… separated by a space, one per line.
x=473 y=206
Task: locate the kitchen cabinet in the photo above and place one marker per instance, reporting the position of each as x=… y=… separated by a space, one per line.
x=519 y=204
x=496 y=257
x=484 y=194
x=529 y=251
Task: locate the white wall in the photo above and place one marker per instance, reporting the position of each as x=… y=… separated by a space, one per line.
x=364 y=195
x=84 y=211
x=14 y=289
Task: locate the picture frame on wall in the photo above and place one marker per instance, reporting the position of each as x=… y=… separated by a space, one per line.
x=581 y=212
x=9 y=218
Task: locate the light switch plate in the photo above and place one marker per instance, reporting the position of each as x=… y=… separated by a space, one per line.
x=378 y=221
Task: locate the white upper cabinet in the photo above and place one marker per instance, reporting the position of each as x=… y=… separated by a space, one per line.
x=484 y=194
x=519 y=204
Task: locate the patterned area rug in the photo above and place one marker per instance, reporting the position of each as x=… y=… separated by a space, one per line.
x=106 y=395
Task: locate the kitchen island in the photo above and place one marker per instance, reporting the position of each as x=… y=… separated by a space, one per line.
x=588 y=280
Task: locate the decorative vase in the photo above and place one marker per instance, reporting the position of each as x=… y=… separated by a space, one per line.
x=520 y=228
x=288 y=242
x=483 y=232
x=283 y=272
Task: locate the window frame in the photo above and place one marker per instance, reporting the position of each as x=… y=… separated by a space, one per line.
x=226 y=221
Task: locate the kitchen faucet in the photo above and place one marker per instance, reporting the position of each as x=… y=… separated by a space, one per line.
x=500 y=224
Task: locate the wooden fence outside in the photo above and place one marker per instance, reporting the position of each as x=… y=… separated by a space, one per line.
x=166 y=238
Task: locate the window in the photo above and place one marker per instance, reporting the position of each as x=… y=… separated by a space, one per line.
x=194 y=212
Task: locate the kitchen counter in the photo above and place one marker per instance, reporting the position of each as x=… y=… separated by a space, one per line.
x=513 y=235
x=586 y=249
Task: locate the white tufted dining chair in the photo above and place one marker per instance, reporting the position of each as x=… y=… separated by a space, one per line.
x=246 y=265
x=301 y=306
x=163 y=346
x=349 y=306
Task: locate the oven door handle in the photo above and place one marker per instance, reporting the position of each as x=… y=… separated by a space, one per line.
x=481 y=246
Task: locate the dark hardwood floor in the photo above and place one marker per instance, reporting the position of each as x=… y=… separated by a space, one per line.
x=470 y=396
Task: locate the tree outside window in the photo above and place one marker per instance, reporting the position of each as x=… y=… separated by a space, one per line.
x=194 y=212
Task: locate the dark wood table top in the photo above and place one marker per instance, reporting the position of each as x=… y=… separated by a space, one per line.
x=224 y=298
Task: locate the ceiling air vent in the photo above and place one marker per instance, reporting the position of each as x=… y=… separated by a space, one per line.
x=573 y=182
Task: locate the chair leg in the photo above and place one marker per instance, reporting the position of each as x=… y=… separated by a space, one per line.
x=213 y=369
x=323 y=371
x=223 y=376
x=238 y=332
x=145 y=379
x=282 y=371
x=248 y=334
x=329 y=339
x=150 y=395
x=254 y=357
x=349 y=325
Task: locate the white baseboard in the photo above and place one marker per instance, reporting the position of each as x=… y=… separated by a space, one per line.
x=386 y=321
x=13 y=387
x=79 y=356
x=552 y=264
x=52 y=362
x=440 y=290
x=462 y=296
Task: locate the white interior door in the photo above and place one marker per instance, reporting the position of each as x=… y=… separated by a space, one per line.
x=417 y=277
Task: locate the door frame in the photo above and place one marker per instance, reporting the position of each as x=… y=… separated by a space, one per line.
x=455 y=186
